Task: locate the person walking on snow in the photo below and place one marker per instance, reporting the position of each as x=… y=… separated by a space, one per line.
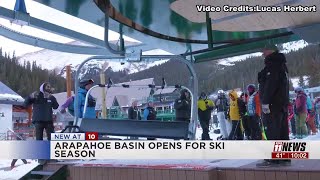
x=222 y=106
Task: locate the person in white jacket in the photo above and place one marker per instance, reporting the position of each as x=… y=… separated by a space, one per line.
x=222 y=106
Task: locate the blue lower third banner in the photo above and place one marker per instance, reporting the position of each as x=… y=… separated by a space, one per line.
x=25 y=149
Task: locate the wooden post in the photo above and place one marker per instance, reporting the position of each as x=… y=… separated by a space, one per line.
x=103 y=95
x=68 y=78
x=103 y=90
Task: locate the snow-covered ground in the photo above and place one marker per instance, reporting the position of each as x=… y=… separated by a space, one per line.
x=16 y=173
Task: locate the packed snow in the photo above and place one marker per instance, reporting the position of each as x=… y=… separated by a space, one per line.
x=6 y=173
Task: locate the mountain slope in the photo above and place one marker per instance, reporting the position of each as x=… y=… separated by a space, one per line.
x=53 y=60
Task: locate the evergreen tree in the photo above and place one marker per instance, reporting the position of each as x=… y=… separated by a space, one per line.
x=301 y=82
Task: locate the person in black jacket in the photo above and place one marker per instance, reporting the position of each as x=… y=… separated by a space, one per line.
x=205 y=107
x=274 y=93
x=182 y=106
x=43 y=102
x=133 y=111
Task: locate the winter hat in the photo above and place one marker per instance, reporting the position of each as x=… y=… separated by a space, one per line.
x=203 y=94
x=183 y=91
x=251 y=88
x=85 y=82
x=298 y=89
x=270 y=46
x=220 y=92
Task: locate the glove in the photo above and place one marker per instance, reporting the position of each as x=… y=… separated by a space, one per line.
x=265 y=108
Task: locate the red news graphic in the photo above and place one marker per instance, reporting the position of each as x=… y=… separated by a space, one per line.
x=92 y=136
x=290 y=150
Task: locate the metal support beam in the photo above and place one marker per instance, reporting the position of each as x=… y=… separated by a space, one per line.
x=106 y=35
x=53 y=28
x=209 y=30
x=46 y=44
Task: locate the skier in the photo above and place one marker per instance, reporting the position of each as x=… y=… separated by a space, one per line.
x=235 y=109
x=254 y=112
x=205 y=106
x=222 y=108
x=85 y=85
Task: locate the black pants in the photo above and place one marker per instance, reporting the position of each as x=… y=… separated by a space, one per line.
x=236 y=133
x=204 y=122
x=276 y=124
x=246 y=125
x=13 y=162
x=255 y=130
x=40 y=126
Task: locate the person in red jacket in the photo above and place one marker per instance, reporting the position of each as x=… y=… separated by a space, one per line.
x=311 y=116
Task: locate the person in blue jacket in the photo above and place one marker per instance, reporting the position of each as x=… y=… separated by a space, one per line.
x=85 y=85
x=149 y=112
x=309 y=103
